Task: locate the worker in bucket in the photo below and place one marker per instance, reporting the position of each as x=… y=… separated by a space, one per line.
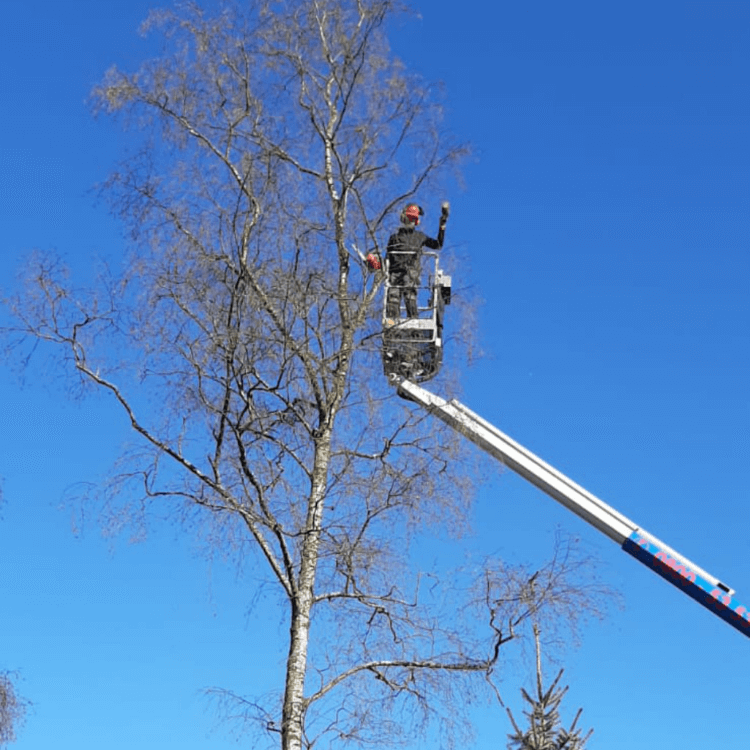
x=404 y=256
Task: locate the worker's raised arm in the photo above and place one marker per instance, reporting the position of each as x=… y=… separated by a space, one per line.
x=438 y=243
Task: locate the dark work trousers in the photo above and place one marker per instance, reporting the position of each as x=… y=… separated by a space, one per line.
x=402 y=285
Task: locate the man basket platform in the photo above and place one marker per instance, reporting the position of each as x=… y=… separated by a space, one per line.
x=413 y=345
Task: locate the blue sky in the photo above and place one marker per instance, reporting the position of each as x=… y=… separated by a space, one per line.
x=606 y=216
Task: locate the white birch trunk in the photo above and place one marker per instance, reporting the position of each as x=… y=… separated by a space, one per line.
x=293 y=712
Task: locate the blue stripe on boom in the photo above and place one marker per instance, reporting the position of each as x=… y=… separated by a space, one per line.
x=692 y=583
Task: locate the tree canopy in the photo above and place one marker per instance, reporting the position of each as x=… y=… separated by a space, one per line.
x=240 y=337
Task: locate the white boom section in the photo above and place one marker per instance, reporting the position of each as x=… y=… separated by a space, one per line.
x=522 y=461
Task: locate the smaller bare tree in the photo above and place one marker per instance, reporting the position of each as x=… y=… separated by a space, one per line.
x=546 y=731
x=13 y=709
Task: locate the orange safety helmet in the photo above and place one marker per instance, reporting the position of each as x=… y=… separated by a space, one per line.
x=411 y=214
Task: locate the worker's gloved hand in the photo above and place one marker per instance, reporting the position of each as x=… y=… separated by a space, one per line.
x=445 y=210
x=373 y=261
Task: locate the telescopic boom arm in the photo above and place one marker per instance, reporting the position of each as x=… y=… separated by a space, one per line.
x=678 y=570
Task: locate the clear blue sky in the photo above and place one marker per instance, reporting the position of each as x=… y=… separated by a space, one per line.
x=607 y=218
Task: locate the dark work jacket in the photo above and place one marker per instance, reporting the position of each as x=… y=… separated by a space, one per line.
x=405 y=250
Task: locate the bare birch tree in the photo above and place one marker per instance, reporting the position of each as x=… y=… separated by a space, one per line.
x=240 y=339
